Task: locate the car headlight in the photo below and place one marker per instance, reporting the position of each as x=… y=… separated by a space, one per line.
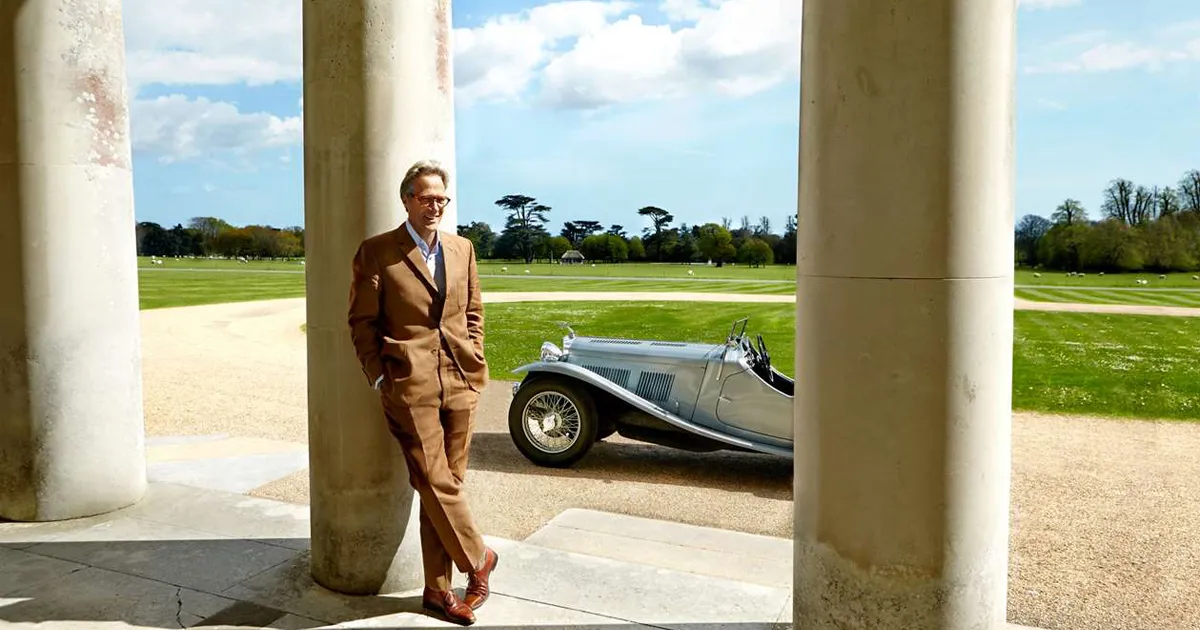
x=550 y=352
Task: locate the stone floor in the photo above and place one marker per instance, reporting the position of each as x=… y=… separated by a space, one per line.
x=189 y=557
x=198 y=552
x=194 y=557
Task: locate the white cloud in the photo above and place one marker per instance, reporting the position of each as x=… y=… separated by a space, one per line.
x=733 y=47
x=1107 y=56
x=213 y=42
x=583 y=52
x=178 y=128
x=572 y=53
x=500 y=59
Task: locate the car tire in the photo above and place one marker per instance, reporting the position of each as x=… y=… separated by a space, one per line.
x=560 y=391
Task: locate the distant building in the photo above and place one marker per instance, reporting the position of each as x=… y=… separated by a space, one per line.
x=571 y=257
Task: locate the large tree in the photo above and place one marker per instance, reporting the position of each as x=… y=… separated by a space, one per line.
x=481 y=236
x=1069 y=212
x=716 y=243
x=1189 y=191
x=1128 y=203
x=1030 y=230
x=659 y=220
x=525 y=224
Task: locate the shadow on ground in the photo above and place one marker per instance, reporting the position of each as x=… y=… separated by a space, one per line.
x=242 y=583
x=618 y=460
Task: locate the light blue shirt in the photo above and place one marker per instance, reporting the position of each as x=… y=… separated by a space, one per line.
x=432 y=255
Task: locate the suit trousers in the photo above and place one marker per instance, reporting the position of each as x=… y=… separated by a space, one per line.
x=436 y=441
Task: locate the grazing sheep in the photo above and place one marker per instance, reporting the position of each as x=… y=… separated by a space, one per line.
x=1037 y=275
x=526 y=271
x=1162 y=277
x=690 y=272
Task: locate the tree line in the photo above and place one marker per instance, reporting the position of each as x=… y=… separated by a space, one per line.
x=210 y=236
x=1139 y=228
x=525 y=237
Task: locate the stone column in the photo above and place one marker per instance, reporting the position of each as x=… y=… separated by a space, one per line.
x=71 y=433
x=904 y=317
x=378 y=96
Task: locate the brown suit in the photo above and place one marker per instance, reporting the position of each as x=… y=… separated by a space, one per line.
x=427 y=344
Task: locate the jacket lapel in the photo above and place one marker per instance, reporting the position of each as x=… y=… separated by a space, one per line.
x=413 y=256
x=449 y=264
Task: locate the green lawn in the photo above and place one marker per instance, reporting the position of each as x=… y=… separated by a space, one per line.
x=777 y=273
x=1160 y=297
x=201 y=281
x=1026 y=277
x=1118 y=365
x=1065 y=362
x=1176 y=289
x=159 y=289
x=647 y=285
x=1112 y=365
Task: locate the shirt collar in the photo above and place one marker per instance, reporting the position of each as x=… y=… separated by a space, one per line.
x=425 y=248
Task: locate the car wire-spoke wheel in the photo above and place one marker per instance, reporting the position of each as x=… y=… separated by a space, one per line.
x=551 y=422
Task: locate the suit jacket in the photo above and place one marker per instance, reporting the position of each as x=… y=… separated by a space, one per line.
x=398 y=318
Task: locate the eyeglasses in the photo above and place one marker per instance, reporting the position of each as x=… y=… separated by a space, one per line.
x=430 y=201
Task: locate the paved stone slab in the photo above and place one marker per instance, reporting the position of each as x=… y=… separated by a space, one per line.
x=774 y=572
x=171 y=554
x=164 y=440
x=93 y=596
x=241 y=615
x=634 y=592
x=290 y=587
x=218 y=448
x=227 y=514
x=20 y=570
x=230 y=474
x=657 y=530
x=15 y=535
x=501 y=611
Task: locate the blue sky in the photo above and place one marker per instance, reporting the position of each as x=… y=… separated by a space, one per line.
x=692 y=106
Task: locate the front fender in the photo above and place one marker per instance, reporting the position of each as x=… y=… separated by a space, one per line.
x=599 y=382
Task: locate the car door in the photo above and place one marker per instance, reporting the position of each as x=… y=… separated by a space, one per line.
x=749 y=403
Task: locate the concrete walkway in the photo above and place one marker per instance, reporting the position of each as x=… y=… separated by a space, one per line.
x=190 y=557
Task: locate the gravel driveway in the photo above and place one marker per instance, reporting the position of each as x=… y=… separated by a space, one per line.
x=1105 y=514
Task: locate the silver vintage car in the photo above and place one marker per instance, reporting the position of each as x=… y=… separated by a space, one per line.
x=695 y=396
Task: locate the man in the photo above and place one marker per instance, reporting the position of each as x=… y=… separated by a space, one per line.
x=416 y=321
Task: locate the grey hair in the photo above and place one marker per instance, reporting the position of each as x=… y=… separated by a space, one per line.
x=419 y=170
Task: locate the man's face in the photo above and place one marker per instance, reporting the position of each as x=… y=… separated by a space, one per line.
x=427 y=202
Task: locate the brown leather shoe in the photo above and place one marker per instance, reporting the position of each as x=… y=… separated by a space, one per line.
x=448 y=605
x=477 y=583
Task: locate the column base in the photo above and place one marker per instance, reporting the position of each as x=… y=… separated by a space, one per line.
x=835 y=593
x=369 y=559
